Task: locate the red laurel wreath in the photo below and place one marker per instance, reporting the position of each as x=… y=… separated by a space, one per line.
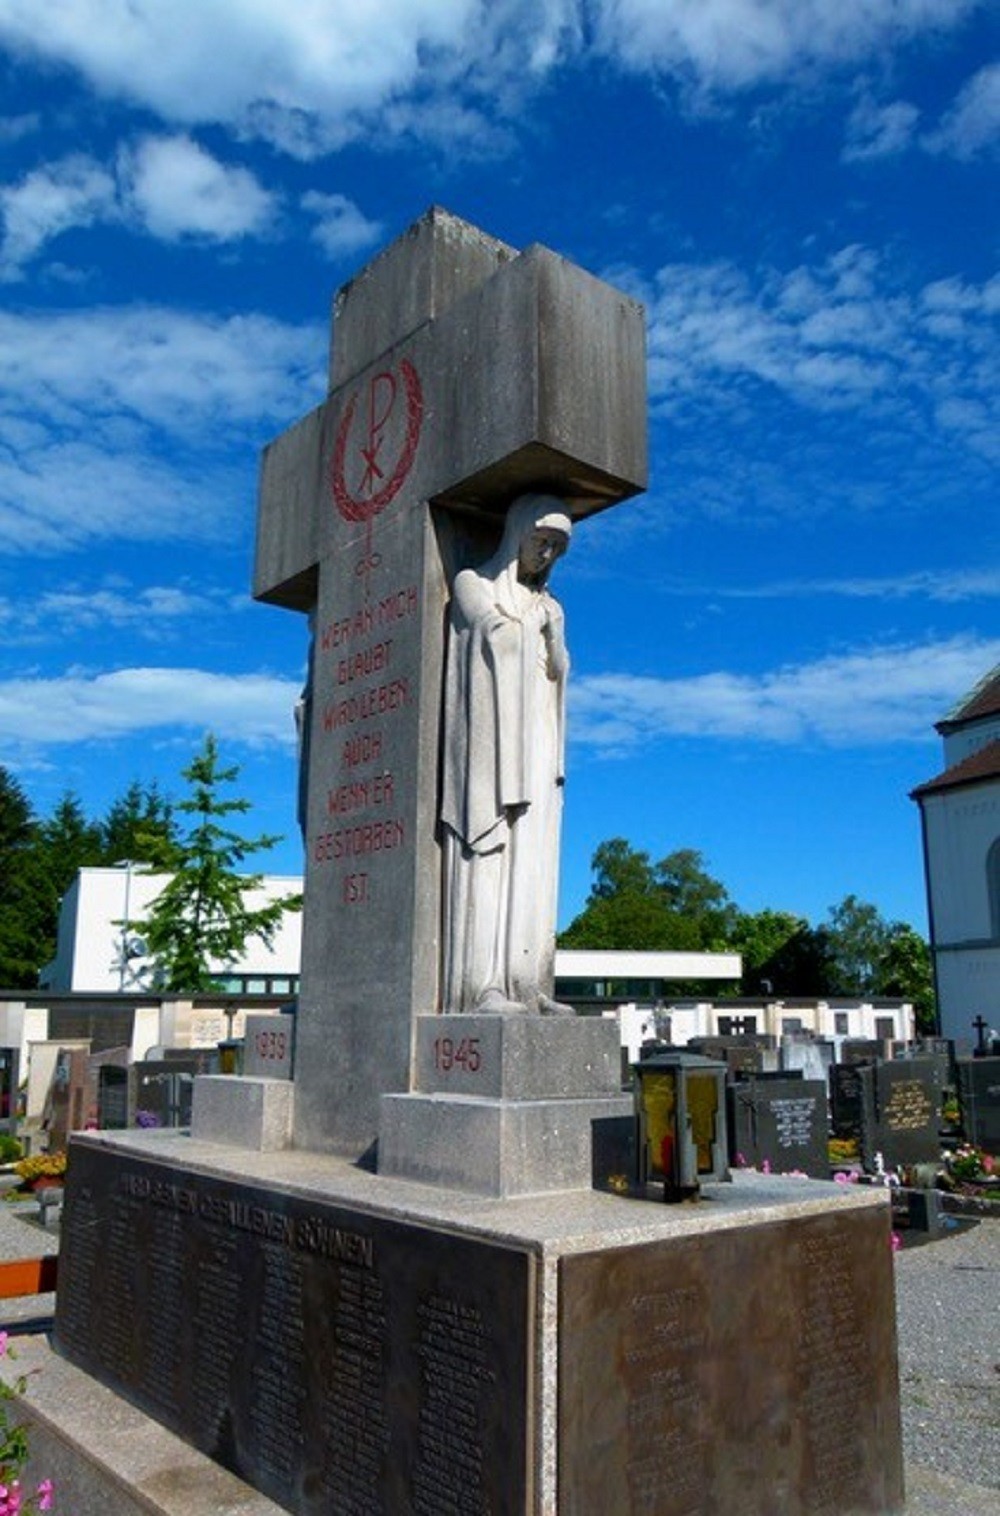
x=350 y=506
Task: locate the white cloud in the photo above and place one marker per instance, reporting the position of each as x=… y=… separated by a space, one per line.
x=942 y=587
x=308 y=76
x=879 y=131
x=340 y=227
x=141 y=424
x=972 y=125
x=72 y=193
x=166 y=187
x=149 y=611
x=174 y=188
x=169 y=368
x=737 y=44
x=869 y=697
x=82 y=707
x=296 y=74
x=835 y=336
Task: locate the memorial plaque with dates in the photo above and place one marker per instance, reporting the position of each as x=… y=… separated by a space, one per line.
x=335 y=1360
x=751 y=1369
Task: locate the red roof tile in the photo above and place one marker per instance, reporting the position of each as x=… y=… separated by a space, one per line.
x=984 y=764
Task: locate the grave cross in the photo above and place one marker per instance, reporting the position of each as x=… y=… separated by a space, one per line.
x=980 y=1027
x=462 y=375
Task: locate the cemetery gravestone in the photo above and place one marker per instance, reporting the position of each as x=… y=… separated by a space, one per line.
x=10 y=1063
x=742 y=1054
x=68 y=1099
x=979 y=1097
x=813 y=1057
x=901 y=1117
x=847 y=1094
x=861 y=1050
x=781 y=1123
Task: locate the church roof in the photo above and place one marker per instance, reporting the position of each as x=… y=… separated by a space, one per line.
x=983 y=764
x=983 y=701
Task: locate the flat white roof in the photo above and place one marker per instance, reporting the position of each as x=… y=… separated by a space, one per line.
x=587 y=963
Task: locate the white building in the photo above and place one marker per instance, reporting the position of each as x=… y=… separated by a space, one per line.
x=100 y=948
x=960 y=812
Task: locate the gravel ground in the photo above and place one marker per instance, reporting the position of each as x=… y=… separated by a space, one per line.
x=948 y=1314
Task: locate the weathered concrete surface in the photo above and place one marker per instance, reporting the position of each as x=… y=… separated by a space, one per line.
x=464 y=373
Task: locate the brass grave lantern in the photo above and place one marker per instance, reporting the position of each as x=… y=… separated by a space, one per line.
x=680 y=1109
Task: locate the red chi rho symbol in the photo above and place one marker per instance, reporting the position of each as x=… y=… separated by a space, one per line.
x=367 y=473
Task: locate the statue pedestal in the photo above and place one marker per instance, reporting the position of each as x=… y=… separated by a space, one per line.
x=506 y=1105
x=345 y=1341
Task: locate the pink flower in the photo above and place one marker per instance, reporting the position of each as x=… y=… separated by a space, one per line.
x=895 y=1241
x=765 y=1167
x=44 y=1493
x=4 y=1338
x=842 y=1178
x=10 y=1498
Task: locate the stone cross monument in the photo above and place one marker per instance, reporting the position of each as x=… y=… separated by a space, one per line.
x=463 y=376
x=369 y=1344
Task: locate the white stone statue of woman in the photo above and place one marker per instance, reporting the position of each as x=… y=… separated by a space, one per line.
x=502 y=770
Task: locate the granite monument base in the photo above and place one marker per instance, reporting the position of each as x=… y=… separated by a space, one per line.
x=349 y=1342
x=504 y=1105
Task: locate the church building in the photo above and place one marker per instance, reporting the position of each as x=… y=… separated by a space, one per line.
x=960 y=812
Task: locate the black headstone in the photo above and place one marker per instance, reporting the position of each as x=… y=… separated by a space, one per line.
x=847 y=1101
x=903 y=1118
x=780 y=1124
x=979 y=1097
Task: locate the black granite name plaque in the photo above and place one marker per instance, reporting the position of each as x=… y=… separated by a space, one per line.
x=335 y=1360
x=750 y=1370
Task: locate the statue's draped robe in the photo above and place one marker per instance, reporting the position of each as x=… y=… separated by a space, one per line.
x=502 y=776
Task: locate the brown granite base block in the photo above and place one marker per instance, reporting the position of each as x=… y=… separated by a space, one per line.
x=750 y=1371
x=334 y=1359
x=347 y=1342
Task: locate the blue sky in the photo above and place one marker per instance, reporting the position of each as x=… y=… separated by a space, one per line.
x=803 y=193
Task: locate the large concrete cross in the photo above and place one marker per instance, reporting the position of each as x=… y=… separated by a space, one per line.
x=462 y=374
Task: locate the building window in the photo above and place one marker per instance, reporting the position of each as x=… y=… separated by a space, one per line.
x=737 y=1026
x=993 y=887
x=885 y=1028
x=841 y=1023
x=791 y=1024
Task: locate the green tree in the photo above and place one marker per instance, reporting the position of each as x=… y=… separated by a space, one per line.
x=26 y=898
x=619 y=869
x=693 y=896
x=859 y=937
x=202 y=914
x=763 y=939
x=906 y=970
x=136 y=825
x=635 y=904
x=69 y=842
